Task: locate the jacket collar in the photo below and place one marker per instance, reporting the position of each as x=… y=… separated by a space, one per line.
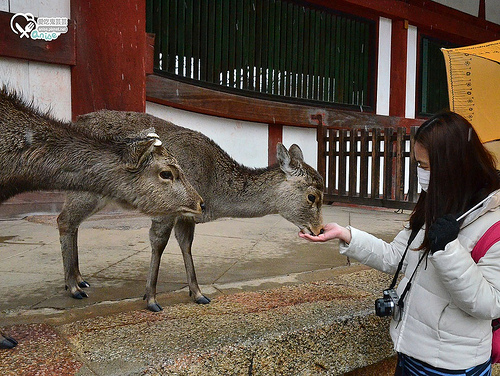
x=490 y=203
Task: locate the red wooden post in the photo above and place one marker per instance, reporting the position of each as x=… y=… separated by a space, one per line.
x=110 y=56
x=398 y=68
x=320 y=138
x=275 y=136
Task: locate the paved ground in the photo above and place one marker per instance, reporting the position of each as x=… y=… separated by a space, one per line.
x=229 y=254
x=251 y=268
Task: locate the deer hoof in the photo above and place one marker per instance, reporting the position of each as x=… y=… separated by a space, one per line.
x=155 y=307
x=83 y=284
x=8 y=343
x=80 y=295
x=202 y=300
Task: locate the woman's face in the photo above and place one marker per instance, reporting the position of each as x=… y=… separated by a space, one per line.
x=422 y=156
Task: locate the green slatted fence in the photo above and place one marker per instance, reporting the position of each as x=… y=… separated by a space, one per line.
x=266 y=47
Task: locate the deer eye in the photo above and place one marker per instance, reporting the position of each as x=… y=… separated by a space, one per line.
x=166 y=175
x=311 y=198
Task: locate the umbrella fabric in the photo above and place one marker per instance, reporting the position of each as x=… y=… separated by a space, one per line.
x=473 y=86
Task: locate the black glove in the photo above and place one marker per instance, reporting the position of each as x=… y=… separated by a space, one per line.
x=443 y=231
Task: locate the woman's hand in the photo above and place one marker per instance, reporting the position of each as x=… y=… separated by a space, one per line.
x=331 y=231
x=442 y=232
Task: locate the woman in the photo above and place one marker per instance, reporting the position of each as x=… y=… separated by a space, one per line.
x=444 y=324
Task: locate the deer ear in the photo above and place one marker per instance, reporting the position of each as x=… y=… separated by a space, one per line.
x=296 y=153
x=137 y=151
x=290 y=160
x=285 y=159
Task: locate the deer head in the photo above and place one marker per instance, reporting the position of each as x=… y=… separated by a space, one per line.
x=303 y=186
x=150 y=179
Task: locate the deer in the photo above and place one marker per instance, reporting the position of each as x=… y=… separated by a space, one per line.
x=114 y=159
x=290 y=188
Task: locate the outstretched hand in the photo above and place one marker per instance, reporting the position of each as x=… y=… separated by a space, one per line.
x=331 y=231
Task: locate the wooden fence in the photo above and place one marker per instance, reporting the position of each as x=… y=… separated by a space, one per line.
x=368 y=166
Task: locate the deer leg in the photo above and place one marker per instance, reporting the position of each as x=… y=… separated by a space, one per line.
x=77 y=207
x=159 y=234
x=184 y=232
x=7 y=342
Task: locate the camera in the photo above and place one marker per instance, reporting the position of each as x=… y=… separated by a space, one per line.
x=385 y=306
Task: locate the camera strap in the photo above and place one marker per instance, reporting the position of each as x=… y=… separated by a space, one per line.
x=400 y=265
x=408 y=285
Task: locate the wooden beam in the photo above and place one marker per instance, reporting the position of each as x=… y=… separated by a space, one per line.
x=59 y=51
x=169 y=92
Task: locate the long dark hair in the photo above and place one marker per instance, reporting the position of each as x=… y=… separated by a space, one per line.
x=462 y=170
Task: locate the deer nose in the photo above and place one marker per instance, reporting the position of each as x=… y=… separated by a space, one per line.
x=203 y=207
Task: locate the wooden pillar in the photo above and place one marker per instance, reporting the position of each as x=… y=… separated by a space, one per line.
x=321 y=139
x=482 y=9
x=398 y=68
x=110 y=56
x=275 y=136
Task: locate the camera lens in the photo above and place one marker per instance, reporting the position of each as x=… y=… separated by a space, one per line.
x=383 y=307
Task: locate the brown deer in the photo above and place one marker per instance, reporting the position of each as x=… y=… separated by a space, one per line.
x=292 y=189
x=111 y=158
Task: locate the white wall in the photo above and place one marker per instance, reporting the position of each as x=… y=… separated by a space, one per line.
x=246 y=142
x=42 y=8
x=411 y=72
x=306 y=139
x=384 y=66
x=48 y=85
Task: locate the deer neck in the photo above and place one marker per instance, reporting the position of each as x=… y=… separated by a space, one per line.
x=248 y=193
x=54 y=164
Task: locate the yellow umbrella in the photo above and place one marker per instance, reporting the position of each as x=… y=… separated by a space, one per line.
x=474 y=86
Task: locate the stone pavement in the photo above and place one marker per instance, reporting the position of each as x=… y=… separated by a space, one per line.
x=280 y=305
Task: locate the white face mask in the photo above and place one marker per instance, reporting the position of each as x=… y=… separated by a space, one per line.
x=423 y=178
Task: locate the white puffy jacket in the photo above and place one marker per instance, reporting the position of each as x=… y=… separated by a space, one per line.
x=446 y=320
